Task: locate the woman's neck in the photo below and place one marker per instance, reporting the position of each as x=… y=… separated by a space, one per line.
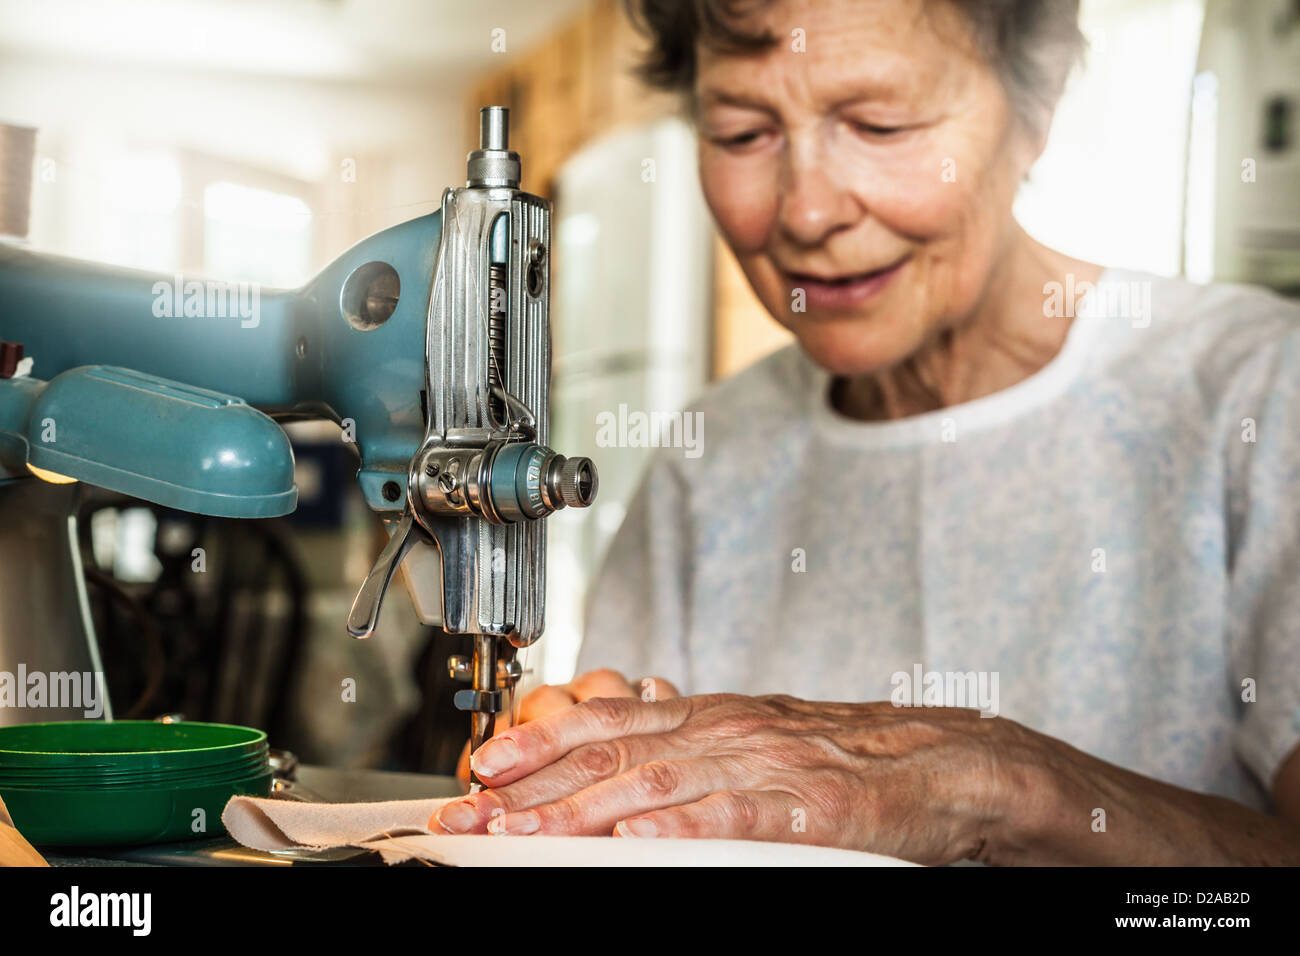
x=1002 y=342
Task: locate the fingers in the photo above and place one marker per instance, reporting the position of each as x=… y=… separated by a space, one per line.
x=522 y=750
x=600 y=683
x=462 y=765
x=594 y=810
x=771 y=815
x=582 y=767
x=549 y=698
x=657 y=688
x=544 y=700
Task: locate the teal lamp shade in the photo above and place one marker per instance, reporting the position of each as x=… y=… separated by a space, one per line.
x=173 y=444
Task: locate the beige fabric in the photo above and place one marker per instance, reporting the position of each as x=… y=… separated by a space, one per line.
x=266 y=824
x=397 y=830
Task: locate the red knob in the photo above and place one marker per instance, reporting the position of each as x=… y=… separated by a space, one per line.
x=11 y=353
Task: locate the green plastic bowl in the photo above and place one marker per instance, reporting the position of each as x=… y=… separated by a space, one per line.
x=125 y=746
x=96 y=783
x=99 y=776
x=122 y=817
x=249 y=766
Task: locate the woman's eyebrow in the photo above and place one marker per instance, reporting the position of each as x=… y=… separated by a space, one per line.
x=712 y=97
x=883 y=89
x=865 y=92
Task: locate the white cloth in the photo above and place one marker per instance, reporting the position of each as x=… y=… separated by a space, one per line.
x=1104 y=536
x=396 y=829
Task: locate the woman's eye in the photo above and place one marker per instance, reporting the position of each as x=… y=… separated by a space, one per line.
x=874 y=129
x=739 y=140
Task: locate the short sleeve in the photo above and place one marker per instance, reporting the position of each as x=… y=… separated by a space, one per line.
x=1263 y=454
x=637 y=607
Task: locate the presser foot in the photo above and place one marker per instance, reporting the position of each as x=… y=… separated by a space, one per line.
x=493 y=675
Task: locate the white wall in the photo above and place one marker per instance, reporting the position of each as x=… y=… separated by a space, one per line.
x=98 y=118
x=1109 y=187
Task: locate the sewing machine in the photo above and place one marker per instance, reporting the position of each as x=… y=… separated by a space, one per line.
x=428 y=343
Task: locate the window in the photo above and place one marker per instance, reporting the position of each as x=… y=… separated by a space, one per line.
x=1109 y=188
x=253 y=235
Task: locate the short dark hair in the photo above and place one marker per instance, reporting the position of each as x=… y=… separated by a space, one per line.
x=1033 y=44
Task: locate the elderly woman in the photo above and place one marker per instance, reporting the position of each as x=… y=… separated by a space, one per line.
x=1061 y=494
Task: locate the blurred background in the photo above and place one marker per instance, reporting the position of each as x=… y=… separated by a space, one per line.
x=256 y=141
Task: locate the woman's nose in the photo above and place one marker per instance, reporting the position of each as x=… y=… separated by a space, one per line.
x=812 y=204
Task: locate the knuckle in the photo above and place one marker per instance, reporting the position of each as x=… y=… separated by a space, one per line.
x=560 y=813
x=568 y=814
x=660 y=778
x=688 y=824
x=740 y=808
x=538 y=736
x=608 y=714
x=492 y=803
x=734 y=719
x=600 y=760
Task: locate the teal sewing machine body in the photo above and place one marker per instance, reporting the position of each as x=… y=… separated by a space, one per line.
x=164 y=387
x=429 y=343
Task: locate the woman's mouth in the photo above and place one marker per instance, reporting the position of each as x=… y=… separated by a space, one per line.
x=847 y=291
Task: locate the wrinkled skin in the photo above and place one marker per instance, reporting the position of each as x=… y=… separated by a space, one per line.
x=930 y=785
x=758 y=768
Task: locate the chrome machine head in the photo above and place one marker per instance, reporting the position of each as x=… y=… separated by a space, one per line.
x=483 y=475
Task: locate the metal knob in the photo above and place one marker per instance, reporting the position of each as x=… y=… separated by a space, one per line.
x=494 y=163
x=576 y=482
x=494 y=127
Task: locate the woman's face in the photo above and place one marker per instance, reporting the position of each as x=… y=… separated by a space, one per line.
x=867 y=180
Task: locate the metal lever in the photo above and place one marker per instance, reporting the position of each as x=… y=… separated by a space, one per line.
x=364 y=615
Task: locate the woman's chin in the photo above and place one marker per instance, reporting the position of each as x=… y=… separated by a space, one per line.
x=848 y=353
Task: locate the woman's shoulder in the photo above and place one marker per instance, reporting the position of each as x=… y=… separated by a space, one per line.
x=1213 y=326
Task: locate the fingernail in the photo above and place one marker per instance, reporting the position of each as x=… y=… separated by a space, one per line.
x=458 y=817
x=494 y=757
x=637 y=827
x=519 y=824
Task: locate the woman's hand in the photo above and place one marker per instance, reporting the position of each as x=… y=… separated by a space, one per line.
x=928 y=785
x=549 y=698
